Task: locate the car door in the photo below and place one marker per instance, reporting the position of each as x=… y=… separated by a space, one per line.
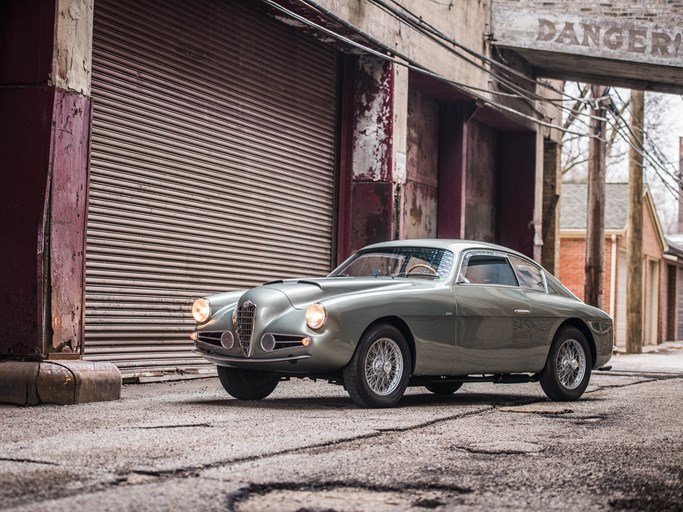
x=492 y=314
x=549 y=309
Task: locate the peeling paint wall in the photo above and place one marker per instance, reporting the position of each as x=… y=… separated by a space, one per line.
x=73 y=49
x=68 y=201
x=482 y=182
x=419 y=205
x=44 y=140
x=373 y=119
x=466 y=21
x=372 y=151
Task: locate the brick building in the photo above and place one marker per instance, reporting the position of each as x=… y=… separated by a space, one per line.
x=655 y=262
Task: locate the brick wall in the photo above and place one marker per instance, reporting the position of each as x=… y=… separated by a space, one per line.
x=572 y=268
x=572 y=274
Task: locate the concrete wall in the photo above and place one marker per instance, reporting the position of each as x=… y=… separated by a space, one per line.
x=468 y=22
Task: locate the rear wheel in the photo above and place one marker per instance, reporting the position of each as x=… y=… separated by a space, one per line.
x=443 y=388
x=568 y=368
x=378 y=373
x=247 y=384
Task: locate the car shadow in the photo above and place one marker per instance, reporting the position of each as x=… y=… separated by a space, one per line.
x=413 y=400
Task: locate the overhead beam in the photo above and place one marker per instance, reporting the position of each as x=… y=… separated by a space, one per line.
x=627 y=43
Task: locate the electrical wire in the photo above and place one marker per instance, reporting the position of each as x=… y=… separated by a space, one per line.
x=618 y=124
x=405 y=61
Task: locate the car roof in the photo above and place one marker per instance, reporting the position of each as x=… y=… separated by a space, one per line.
x=438 y=243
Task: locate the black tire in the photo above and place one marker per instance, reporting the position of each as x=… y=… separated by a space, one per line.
x=568 y=368
x=443 y=388
x=247 y=384
x=378 y=373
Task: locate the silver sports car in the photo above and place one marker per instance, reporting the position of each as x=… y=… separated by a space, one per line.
x=432 y=313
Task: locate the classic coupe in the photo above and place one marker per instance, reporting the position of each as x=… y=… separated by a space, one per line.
x=432 y=313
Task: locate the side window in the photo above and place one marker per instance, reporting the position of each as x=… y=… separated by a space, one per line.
x=530 y=276
x=487 y=269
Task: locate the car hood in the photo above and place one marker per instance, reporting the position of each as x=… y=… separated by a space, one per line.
x=303 y=292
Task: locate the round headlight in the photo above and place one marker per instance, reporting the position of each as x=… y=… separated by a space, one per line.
x=201 y=310
x=316 y=316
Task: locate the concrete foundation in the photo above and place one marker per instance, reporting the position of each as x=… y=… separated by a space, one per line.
x=58 y=382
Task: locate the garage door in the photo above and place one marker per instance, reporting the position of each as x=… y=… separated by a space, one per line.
x=212 y=169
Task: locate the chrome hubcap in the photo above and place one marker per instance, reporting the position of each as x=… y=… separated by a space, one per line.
x=383 y=366
x=571 y=364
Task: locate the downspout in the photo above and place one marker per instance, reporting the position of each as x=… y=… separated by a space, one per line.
x=613 y=278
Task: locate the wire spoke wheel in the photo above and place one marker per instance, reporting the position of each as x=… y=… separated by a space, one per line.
x=570 y=364
x=378 y=372
x=383 y=366
x=568 y=367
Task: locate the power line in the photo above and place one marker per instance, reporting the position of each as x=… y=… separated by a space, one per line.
x=405 y=61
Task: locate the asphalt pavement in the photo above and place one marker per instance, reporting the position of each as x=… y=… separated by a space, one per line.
x=187 y=445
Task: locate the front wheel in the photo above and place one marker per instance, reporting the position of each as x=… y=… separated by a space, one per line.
x=247 y=384
x=568 y=368
x=378 y=373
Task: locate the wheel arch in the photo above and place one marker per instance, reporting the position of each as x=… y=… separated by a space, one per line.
x=402 y=326
x=581 y=326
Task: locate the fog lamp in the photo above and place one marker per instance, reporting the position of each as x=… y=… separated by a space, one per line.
x=227 y=340
x=268 y=342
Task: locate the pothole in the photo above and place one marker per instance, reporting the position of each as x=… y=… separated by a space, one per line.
x=549 y=409
x=343 y=497
x=502 y=448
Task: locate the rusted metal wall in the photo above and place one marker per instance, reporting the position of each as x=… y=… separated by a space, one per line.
x=419 y=205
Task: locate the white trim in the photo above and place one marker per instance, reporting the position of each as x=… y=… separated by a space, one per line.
x=613 y=278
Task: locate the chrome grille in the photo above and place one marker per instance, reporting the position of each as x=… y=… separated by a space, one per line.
x=245 y=325
x=213 y=338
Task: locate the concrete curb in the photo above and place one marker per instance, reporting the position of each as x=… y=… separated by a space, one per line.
x=58 y=382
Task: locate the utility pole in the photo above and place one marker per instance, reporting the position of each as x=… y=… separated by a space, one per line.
x=595 y=225
x=634 y=291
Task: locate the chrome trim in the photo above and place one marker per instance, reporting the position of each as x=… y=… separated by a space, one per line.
x=246 y=314
x=218 y=358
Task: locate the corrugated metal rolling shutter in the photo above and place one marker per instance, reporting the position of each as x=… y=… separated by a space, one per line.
x=212 y=168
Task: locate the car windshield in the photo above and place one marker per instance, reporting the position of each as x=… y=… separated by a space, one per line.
x=423 y=262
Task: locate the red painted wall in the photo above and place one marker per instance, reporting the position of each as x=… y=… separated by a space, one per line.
x=26 y=46
x=44 y=141
x=516 y=191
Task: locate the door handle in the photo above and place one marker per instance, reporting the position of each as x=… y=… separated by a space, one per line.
x=523 y=311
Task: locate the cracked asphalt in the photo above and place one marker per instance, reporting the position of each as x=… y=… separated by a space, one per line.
x=187 y=445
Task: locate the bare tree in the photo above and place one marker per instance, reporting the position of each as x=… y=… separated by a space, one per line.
x=662 y=128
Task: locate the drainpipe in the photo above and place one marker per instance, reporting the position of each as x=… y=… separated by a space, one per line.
x=613 y=278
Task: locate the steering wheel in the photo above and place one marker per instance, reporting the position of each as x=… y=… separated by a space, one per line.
x=422 y=265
